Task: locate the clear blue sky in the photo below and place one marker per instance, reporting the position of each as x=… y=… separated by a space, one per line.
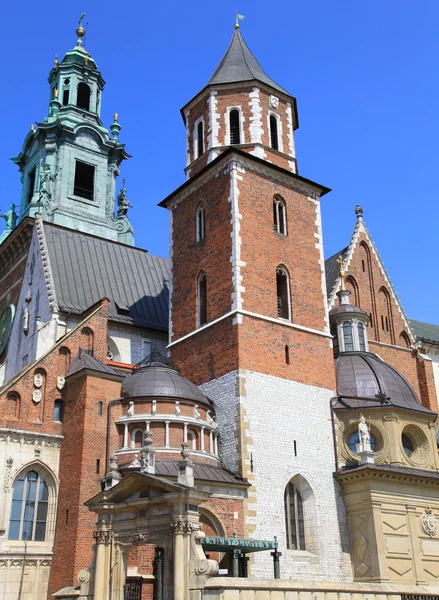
x=364 y=75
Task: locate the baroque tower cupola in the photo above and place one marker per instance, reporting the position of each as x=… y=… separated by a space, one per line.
x=241 y=106
x=70 y=161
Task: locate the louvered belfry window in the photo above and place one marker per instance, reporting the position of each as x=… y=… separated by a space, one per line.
x=279 y=216
x=235 y=133
x=283 y=294
x=273 y=133
x=200 y=144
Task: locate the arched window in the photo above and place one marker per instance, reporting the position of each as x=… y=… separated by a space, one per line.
x=200 y=139
x=30 y=501
x=64 y=359
x=361 y=337
x=201 y=223
x=295 y=526
x=274 y=141
x=235 y=130
x=137 y=438
x=347 y=336
x=404 y=340
x=202 y=299
x=279 y=215
x=283 y=294
x=192 y=439
x=83 y=99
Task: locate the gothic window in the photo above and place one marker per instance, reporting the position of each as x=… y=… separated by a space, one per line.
x=83 y=100
x=295 y=526
x=279 y=215
x=361 y=337
x=30 y=185
x=202 y=299
x=84 y=180
x=200 y=139
x=274 y=141
x=30 y=501
x=235 y=131
x=58 y=411
x=201 y=223
x=283 y=293
x=347 y=336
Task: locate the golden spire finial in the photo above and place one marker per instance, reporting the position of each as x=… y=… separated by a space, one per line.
x=32 y=127
x=116 y=116
x=80 y=31
x=55 y=62
x=237 y=18
x=341 y=272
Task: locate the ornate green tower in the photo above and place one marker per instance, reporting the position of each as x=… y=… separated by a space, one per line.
x=70 y=162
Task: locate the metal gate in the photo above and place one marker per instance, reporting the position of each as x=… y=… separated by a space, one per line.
x=133 y=588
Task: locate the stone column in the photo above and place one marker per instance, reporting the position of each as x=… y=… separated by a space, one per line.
x=202 y=439
x=414 y=541
x=166 y=434
x=211 y=442
x=125 y=436
x=216 y=444
x=179 y=558
x=158 y=572
x=184 y=432
x=102 y=564
x=235 y=570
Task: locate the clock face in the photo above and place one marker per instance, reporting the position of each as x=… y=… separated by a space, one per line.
x=6 y=319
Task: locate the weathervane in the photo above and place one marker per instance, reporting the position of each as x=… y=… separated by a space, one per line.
x=238 y=17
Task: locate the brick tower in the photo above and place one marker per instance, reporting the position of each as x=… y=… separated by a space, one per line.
x=248 y=320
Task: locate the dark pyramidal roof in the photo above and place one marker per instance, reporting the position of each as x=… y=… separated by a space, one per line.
x=86 y=361
x=239 y=64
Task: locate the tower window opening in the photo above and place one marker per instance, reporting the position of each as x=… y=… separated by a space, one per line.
x=295 y=526
x=58 y=411
x=65 y=97
x=347 y=336
x=201 y=223
x=31 y=185
x=202 y=299
x=83 y=100
x=279 y=216
x=274 y=141
x=283 y=294
x=287 y=355
x=235 y=133
x=200 y=140
x=361 y=337
x=84 y=180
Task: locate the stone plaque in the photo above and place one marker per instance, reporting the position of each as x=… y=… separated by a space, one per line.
x=37 y=395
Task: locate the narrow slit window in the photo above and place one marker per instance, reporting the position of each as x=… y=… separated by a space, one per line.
x=84 y=180
x=65 y=97
x=235 y=133
x=83 y=100
x=202 y=299
x=334 y=333
x=98 y=465
x=58 y=411
x=347 y=336
x=200 y=140
x=287 y=355
x=283 y=294
x=382 y=323
x=100 y=408
x=201 y=223
x=370 y=320
x=387 y=324
x=363 y=265
x=274 y=140
x=279 y=216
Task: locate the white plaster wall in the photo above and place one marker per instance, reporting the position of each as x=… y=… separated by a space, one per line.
x=21 y=345
x=18 y=450
x=275 y=413
x=131 y=342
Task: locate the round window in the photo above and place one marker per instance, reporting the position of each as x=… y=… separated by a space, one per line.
x=354 y=440
x=66 y=81
x=407 y=444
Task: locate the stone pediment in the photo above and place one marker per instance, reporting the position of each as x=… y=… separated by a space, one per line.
x=134 y=487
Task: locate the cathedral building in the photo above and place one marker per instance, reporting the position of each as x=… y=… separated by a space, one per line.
x=198 y=427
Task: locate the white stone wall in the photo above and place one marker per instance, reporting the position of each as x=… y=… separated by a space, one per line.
x=274 y=413
x=133 y=343
x=23 y=450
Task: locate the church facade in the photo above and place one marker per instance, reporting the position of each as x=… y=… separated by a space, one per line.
x=231 y=436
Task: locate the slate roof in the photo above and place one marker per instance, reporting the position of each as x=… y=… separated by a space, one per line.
x=390 y=469
x=425 y=331
x=332 y=268
x=87 y=268
x=239 y=64
x=202 y=472
x=84 y=360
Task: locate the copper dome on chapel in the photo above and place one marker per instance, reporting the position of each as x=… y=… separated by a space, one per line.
x=155 y=377
x=366 y=381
